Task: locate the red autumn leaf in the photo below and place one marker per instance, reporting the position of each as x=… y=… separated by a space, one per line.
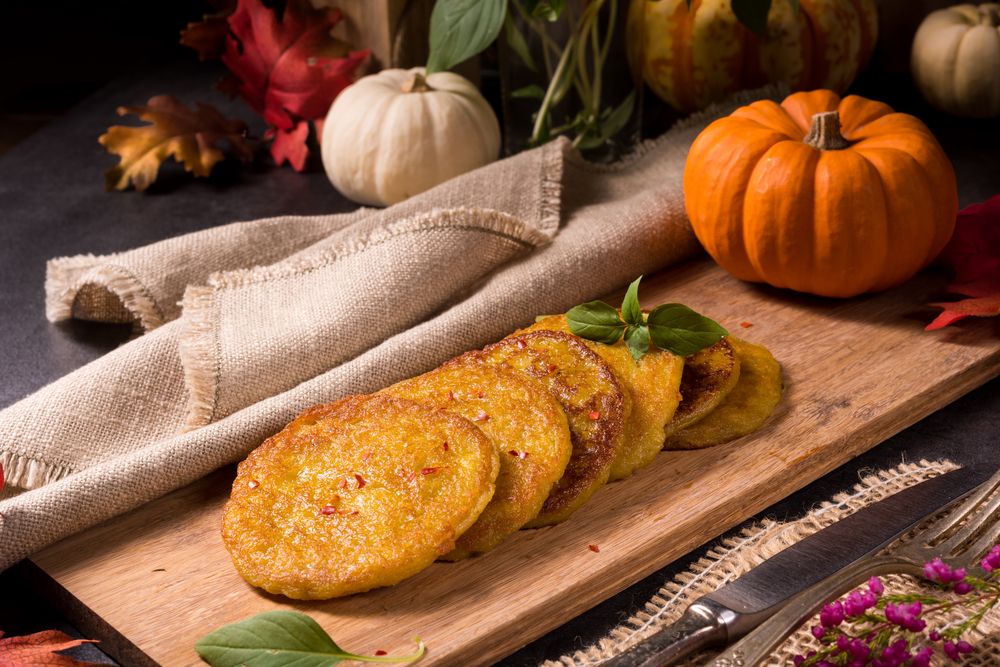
x=190 y=137
x=974 y=254
x=207 y=36
x=291 y=146
x=39 y=650
x=288 y=70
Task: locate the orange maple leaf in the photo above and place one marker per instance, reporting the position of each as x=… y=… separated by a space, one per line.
x=190 y=137
x=39 y=650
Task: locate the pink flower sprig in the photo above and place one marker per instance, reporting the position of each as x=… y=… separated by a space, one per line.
x=868 y=628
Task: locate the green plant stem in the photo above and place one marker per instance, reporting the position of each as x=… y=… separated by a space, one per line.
x=550 y=92
x=548 y=44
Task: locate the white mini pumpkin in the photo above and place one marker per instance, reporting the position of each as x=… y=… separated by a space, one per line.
x=956 y=59
x=397 y=133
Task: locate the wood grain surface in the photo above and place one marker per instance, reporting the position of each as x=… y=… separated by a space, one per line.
x=856 y=372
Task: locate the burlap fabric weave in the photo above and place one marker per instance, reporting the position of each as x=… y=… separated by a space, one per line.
x=735 y=555
x=248 y=324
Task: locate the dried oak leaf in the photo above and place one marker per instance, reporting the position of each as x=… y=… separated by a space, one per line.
x=291 y=146
x=207 y=36
x=190 y=137
x=974 y=254
x=39 y=650
x=288 y=70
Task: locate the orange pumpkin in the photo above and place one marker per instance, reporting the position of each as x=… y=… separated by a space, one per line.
x=699 y=54
x=821 y=195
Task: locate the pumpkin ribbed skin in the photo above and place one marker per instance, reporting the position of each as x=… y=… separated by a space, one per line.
x=770 y=208
x=956 y=59
x=698 y=55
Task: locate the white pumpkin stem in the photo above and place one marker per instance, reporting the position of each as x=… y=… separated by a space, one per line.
x=824 y=133
x=417 y=83
x=989 y=16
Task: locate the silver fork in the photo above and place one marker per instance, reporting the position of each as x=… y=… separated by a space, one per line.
x=960 y=539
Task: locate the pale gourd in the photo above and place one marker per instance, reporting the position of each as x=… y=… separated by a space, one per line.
x=956 y=59
x=400 y=132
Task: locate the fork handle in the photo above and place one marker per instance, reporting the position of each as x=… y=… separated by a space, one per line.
x=760 y=643
x=701 y=627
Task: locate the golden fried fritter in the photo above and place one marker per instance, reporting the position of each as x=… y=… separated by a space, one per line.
x=747 y=406
x=709 y=375
x=526 y=424
x=592 y=399
x=356 y=494
x=652 y=384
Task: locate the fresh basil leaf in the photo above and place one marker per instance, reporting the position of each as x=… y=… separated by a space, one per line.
x=550 y=10
x=462 y=28
x=530 y=92
x=278 y=638
x=618 y=118
x=597 y=321
x=517 y=43
x=753 y=14
x=631 y=311
x=678 y=329
x=637 y=341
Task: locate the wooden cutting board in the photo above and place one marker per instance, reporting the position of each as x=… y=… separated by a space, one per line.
x=150 y=583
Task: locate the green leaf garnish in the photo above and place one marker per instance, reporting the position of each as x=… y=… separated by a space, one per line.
x=278 y=638
x=637 y=341
x=462 y=28
x=675 y=327
x=631 y=310
x=550 y=10
x=596 y=320
x=672 y=327
x=529 y=92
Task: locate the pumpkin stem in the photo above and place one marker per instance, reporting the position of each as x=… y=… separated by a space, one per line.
x=989 y=16
x=417 y=83
x=824 y=133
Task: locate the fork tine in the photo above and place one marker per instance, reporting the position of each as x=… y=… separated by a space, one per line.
x=985 y=542
x=977 y=519
x=962 y=511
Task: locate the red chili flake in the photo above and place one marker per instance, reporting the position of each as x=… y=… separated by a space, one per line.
x=380 y=652
x=444 y=446
x=594 y=415
x=551 y=368
x=746 y=325
x=517 y=454
x=480 y=394
x=361 y=480
x=451 y=395
x=327 y=509
x=253 y=484
x=430 y=470
x=412 y=476
x=521 y=344
x=354 y=512
x=342 y=484
x=593 y=547
x=481 y=417
x=367 y=455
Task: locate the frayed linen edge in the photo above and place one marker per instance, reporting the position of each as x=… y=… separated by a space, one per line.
x=199 y=355
x=66 y=276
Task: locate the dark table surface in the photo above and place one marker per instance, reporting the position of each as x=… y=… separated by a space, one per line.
x=53 y=204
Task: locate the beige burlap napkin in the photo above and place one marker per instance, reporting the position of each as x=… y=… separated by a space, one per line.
x=733 y=556
x=279 y=314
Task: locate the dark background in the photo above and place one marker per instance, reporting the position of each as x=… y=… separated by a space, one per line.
x=66 y=66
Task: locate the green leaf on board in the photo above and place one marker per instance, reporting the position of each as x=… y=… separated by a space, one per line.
x=678 y=329
x=517 y=43
x=637 y=341
x=753 y=14
x=532 y=92
x=462 y=28
x=597 y=321
x=279 y=638
x=631 y=311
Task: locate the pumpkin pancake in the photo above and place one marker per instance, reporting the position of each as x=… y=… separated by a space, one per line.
x=652 y=384
x=523 y=420
x=709 y=375
x=592 y=399
x=356 y=494
x=745 y=408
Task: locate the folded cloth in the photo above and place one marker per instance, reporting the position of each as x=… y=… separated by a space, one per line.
x=283 y=313
x=748 y=547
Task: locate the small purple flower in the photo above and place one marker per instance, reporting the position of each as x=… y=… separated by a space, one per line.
x=992 y=559
x=951 y=650
x=906 y=615
x=923 y=657
x=875 y=586
x=964 y=646
x=939 y=571
x=858 y=602
x=963 y=587
x=798 y=660
x=935 y=636
x=832 y=614
x=818 y=631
